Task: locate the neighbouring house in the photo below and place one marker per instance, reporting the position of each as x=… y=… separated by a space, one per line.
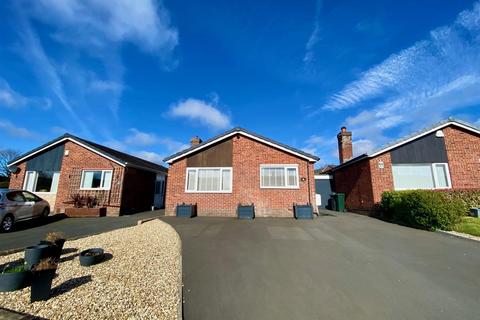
x=70 y=166
x=443 y=156
x=240 y=167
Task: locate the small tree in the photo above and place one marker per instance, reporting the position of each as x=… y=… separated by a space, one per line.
x=6 y=156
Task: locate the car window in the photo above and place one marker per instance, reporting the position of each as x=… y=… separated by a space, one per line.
x=15 y=196
x=30 y=196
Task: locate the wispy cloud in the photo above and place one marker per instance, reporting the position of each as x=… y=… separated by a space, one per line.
x=136 y=142
x=12 y=99
x=309 y=56
x=91 y=31
x=140 y=138
x=202 y=112
x=150 y=156
x=418 y=85
x=13 y=130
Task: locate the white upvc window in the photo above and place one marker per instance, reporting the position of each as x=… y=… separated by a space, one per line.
x=96 y=180
x=209 y=180
x=41 y=181
x=279 y=176
x=421 y=176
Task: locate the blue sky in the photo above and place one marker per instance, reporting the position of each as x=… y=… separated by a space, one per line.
x=145 y=76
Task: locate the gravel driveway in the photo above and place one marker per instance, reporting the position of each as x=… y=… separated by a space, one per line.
x=334 y=267
x=141 y=278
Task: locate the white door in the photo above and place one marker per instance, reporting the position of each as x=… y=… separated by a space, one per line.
x=159 y=198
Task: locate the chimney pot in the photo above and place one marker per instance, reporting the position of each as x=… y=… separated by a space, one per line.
x=345 y=148
x=195 y=141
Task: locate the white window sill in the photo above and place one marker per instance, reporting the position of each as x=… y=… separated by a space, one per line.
x=208 y=191
x=93 y=189
x=286 y=188
x=44 y=193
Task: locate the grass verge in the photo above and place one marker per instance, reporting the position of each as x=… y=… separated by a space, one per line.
x=469 y=225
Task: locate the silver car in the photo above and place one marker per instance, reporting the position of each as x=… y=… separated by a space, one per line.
x=19 y=205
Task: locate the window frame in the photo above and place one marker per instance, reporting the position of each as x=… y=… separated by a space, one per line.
x=102 y=179
x=285 y=169
x=434 y=175
x=54 y=184
x=196 y=169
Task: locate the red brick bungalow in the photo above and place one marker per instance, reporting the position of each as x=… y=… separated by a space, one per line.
x=240 y=167
x=69 y=166
x=444 y=156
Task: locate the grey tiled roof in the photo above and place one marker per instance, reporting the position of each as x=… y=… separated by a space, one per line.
x=121 y=157
x=239 y=129
x=406 y=138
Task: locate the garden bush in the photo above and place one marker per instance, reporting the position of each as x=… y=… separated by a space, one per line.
x=423 y=209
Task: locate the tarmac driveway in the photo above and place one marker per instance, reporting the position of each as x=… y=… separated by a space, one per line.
x=29 y=232
x=334 y=267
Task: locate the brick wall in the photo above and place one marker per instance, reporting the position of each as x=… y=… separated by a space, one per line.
x=463 y=152
x=382 y=178
x=248 y=154
x=16 y=179
x=355 y=181
x=78 y=159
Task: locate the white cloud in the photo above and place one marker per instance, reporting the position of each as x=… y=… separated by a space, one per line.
x=150 y=156
x=416 y=86
x=424 y=68
x=14 y=131
x=314 y=36
x=140 y=138
x=362 y=146
x=10 y=98
x=202 y=112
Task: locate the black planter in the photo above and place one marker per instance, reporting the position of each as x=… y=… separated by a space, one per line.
x=34 y=254
x=90 y=257
x=246 y=212
x=15 y=280
x=41 y=284
x=303 y=211
x=186 y=210
x=56 y=247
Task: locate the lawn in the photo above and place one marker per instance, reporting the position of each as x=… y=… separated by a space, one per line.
x=468 y=225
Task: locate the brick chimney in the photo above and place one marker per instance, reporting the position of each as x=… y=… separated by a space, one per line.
x=345 y=149
x=195 y=141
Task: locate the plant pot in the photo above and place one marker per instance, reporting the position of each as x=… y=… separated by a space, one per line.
x=55 y=247
x=90 y=257
x=41 y=284
x=303 y=211
x=186 y=210
x=34 y=254
x=246 y=212
x=15 y=280
x=85 y=212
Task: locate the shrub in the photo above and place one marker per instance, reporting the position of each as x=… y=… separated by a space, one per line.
x=423 y=209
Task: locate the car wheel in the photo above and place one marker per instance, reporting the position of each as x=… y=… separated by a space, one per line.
x=45 y=212
x=7 y=223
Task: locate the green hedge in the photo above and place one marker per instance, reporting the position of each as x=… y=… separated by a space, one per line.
x=469 y=198
x=423 y=209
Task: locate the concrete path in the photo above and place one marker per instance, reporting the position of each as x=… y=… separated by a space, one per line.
x=30 y=232
x=334 y=267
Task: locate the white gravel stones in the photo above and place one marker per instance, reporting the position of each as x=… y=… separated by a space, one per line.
x=141 y=280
